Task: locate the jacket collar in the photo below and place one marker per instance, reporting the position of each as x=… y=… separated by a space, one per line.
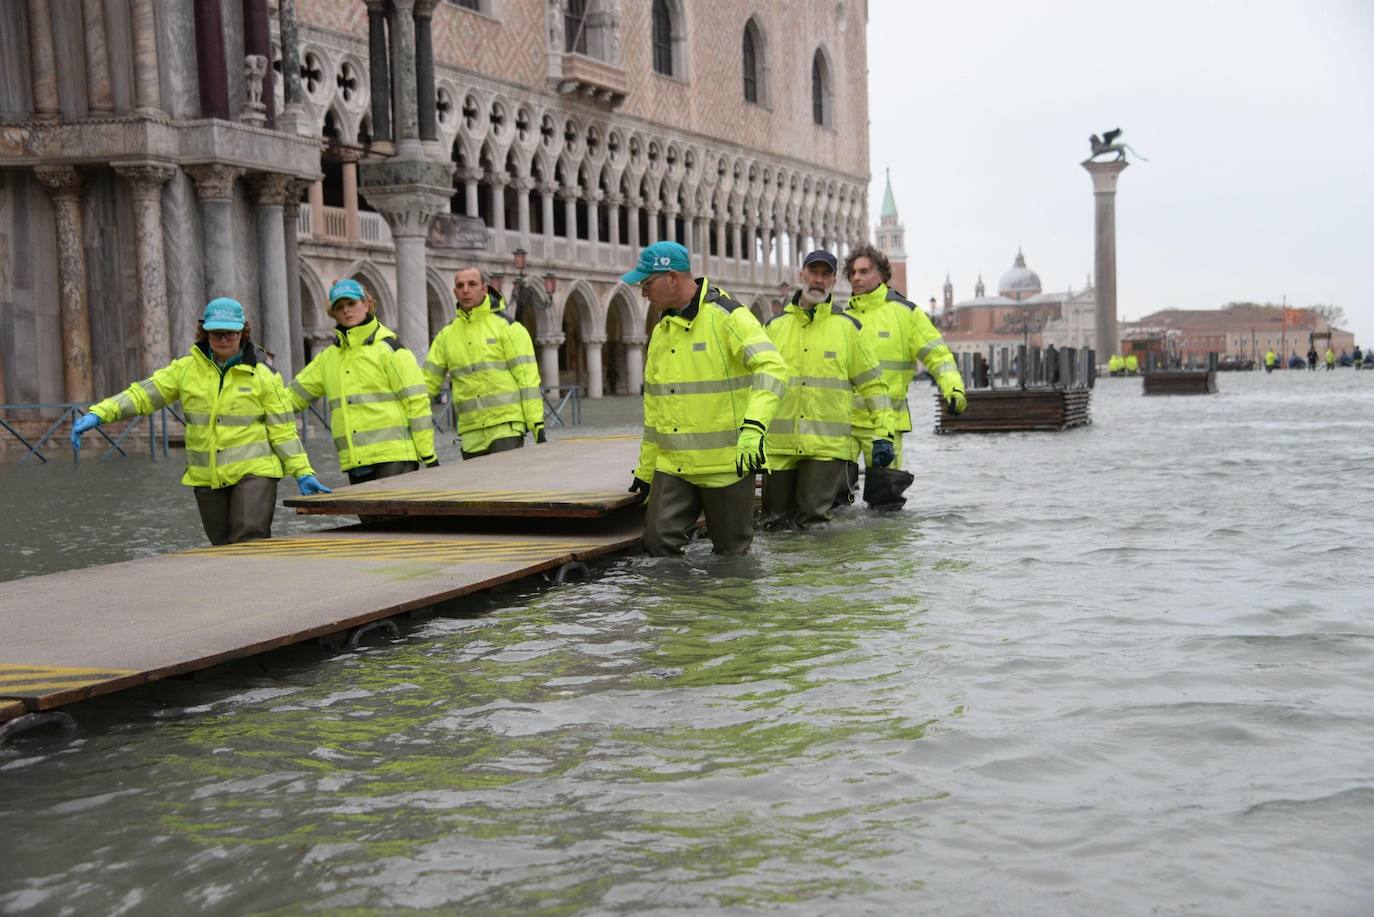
x=876 y=297
x=823 y=308
x=688 y=313
x=361 y=335
x=492 y=304
x=248 y=354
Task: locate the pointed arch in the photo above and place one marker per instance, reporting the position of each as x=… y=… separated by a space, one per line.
x=374 y=281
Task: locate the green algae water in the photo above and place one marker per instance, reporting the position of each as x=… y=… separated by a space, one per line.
x=1121 y=670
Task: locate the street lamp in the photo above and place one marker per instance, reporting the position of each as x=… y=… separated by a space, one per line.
x=524 y=292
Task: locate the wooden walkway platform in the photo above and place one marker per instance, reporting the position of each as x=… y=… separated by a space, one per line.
x=1180 y=382
x=80 y=633
x=1013 y=410
x=582 y=477
x=73 y=635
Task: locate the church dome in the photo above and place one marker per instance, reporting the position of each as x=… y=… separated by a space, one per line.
x=1020 y=282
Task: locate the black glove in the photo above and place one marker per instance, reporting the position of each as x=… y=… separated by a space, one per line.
x=640 y=488
x=957 y=401
x=430 y=461
x=749 y=456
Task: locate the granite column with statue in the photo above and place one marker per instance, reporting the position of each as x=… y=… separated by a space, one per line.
x=275 y=336
x=1104 y=176
x=215 y=189
x=291 y=209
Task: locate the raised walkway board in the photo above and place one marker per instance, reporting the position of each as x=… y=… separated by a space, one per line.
x=76 y=634
x=582 y=477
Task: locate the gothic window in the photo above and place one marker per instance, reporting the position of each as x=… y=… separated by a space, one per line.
x=575 y=26
x=820 y=90
x=751 y=63
x=663 y=38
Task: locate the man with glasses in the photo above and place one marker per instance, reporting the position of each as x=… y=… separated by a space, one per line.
x=712 y=383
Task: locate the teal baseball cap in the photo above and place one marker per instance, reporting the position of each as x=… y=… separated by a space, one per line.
x=346 y=289
x=657 y=258
x=223 y=314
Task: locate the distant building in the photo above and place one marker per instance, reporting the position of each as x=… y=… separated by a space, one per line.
x=1020 y=312
x=1242 y=330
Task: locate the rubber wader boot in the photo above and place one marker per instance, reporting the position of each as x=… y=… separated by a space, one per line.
x=883 y=487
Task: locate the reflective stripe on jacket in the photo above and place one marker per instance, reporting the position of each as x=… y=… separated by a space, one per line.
x=376 y=393
x=831 y=366
x=490 y=358
x=901 y=337
x=237 y=422
x=709 y=367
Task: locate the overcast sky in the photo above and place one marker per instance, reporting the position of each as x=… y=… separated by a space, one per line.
x=1257 y=118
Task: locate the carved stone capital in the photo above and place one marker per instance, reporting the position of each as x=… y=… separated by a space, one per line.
x=634 y=340
x=570 y=193
x=63 y=182
x=271 y=188
x=592 y=340
x=549 y=187
x=425 y=8
x=498 y=178
x=615 y=200
x=343 y=153
x=146 y=179
x=471 y=174
x=522 y=184
x=295 y=188
x=214 y=181
x=550 y=340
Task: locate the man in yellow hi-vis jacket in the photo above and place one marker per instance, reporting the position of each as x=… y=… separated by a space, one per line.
x=490 y=358
x=902 y=337
x=809 y=439
x=712 y=383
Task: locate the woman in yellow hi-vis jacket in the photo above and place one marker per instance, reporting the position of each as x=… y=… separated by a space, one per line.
x=240 y=433
x=380 y=421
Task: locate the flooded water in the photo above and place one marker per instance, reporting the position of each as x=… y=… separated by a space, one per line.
x=1121 y=670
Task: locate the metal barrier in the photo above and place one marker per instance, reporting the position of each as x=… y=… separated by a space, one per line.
x=70 y=411
x=558 y=401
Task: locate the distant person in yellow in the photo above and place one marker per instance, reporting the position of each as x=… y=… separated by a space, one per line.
x=490 y=358
x=1115 y=365
x=1132 y=364
x=380 y=409
x=1270 y=358
x=1330 y=359
x=240 y=432
x=809 y=440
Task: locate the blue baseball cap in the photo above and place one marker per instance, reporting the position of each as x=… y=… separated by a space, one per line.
x=657 y=258
x=346 y=289
x=223 y=314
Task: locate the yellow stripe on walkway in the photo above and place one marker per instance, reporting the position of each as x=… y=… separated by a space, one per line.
x=26 y=680
x=360 y=549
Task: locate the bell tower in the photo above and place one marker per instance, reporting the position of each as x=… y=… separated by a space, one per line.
x=891 y=237
x=949 y=295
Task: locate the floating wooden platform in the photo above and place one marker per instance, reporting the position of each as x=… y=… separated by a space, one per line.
x=1015 y=410
x=77 y=634
x=1181 y=382
x=570 y=478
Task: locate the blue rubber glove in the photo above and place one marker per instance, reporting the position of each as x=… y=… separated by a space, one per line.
x=883 y=453
x=309 y=485
x=83 y=423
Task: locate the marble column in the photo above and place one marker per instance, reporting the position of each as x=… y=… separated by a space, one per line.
x=570 y=195
x=99 y=94
x=777 y=257
x=315 y=201
x=1104 y=176
x=64 y=186
x=147 y=89
x=592 y=347
x=634 y=362
x=719 y=261
x=651 y=210
x=403 y=73
x=689 y=235
x=498 y=181
x=272 y=190
x=750 y=250
x=632 y=224
x=349 y=158
x=471 y=179
x=670 y=223
x=594 y=199
x=211 y=63
x=424 y=70
x=737 y=241
x=548 y=358
x=613 y=202
x=293 y=108
x=290 y=212
x=546 y=193
x=215 y=188
x=380 y=74
x=145 y=182
x=42 y=61
x=523 y=185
